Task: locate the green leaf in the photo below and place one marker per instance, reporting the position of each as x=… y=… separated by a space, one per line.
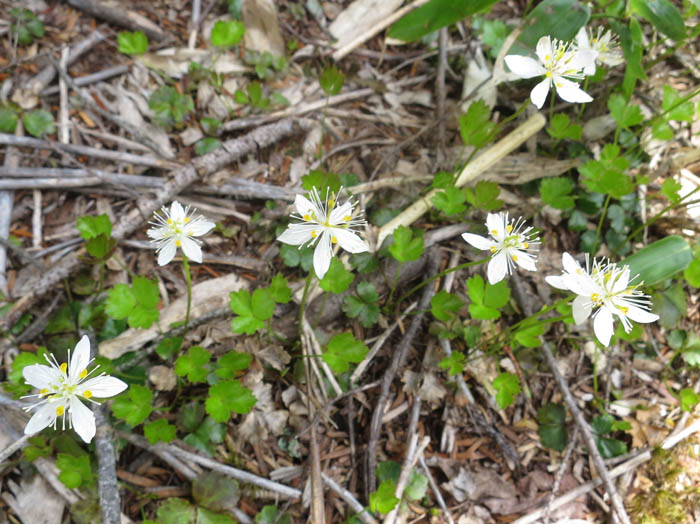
x=331 y=80
x=75 y=471
x=231 y=362
x=475 y=125
x=8 y=120
x=486 y=298
x=670 y=305
x=496 y=295
x=337 y=279
x=659 y=260
x=677 y=108
x=146 y=292
x=556 y=192
x=610 y=447
x=215 y=491
x=661 y=130
x=624 y=113
x=689 y=399
x=433 y=16
x=417 y=486
x=561 y=128
x=210 y=125
x=450 y=201
x=406 y=246
x=444 y=305
x=39 y=123
x=454 y=364
x=484 y=196
x=663 y=15
x=363 y=307
x=559 y=19
x=552 y=426
x=207 y=145
x=670 y=188
x=229 y=396
x=246 y=321
x=279 y=288
x=607 y=174
x=322 y=181
x=633 y=48
x=271 y=515
x=388 y=470
x=475 y=288
x=120 y=301
x=366 y=262
x=135 y=43
x=262 y=304
x=343 y=349
x=168 y=347
x=692 y=273
x=383 y=500
x=175 y=511
x=205 y=516
x=142 y=317
x=159 y=431
x=508 y=387
x=493 y=35
x=193 y=364
x=529 y=336
x=169 y=106
x=134 y=405
x=227 y=33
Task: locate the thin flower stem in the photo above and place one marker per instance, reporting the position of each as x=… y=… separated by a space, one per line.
x=188 y=279
x=602 y=219
x=582 y=106
x=551 y=105
x=396 y=280
x=304 y=297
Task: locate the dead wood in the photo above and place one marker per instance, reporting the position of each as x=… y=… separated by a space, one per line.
x=120 y=17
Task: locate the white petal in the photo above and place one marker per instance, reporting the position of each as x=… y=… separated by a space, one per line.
x=582 y=58
x=569 y=263
x=82 y=419
x=589 y=69
x=641 y=315
x=539 y=93
x=80 y=359
x=543 y=50
x=102 y=387
x=524 y=66
x=581 y=309
x=582 y=39
x=557 y=281
x=622 y=281
x=304 y=205
x=498 y=267
x=349 y=241
x=524 y=260
x=177 y=213
x=338 y=215
x=570 y=91
x=43 y=418
x=297 y=234
x=603 y=325
x=197 y=228
x=191 y=249
x=167 y=252
x=496 y=224
x=477 y=241
x=322 y=255
x=40 y=376
x=157 y=233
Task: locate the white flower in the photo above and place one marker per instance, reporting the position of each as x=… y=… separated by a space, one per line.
x=605 y=288
x=62 y=386
x=557 y=62
x=175 y=229
x=605 y=45
x=324 y=223
x=508 y=244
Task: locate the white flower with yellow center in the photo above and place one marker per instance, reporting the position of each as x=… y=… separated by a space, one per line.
x=175 y=229
x=604 y=44
x=509 y=243
x=61 y=387
x=324 y=223
x=603 y=290
x=557 y=62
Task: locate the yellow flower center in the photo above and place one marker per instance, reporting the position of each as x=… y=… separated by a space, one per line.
x=60 y=410
x=187 y=219
x=334 y=239
x=178 y=243
x=547 y=58
x=169 y=221
x=494 y=232
x=83 y=373
x=307 y=217
x=314 y=234
x=514 y=257
x=63 y=367
x=548 y=74
x=43 y=391
x=525 y=245
x=87 y=393
x=347 y=218
x=493 y=249
x=624 y=309
x=509 y=228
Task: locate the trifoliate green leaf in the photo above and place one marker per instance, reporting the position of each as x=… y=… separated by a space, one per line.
x=193 y=364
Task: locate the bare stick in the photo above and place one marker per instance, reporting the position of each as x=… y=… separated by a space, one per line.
x=121 y=17
x=16 y=445
x=377 y=28
x=586 y=432
x=115 y=156
x=6 y=202
x=107 y=487
x=396 y=362
x=230 y=151
x=167 y=457
x=92 y=78
x=441 y=93
x=470 y=172
x=436 y=490
x=351 y=501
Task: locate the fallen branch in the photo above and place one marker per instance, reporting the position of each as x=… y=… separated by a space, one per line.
x=120 y=16
x=107 y=487
x=361 y=512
